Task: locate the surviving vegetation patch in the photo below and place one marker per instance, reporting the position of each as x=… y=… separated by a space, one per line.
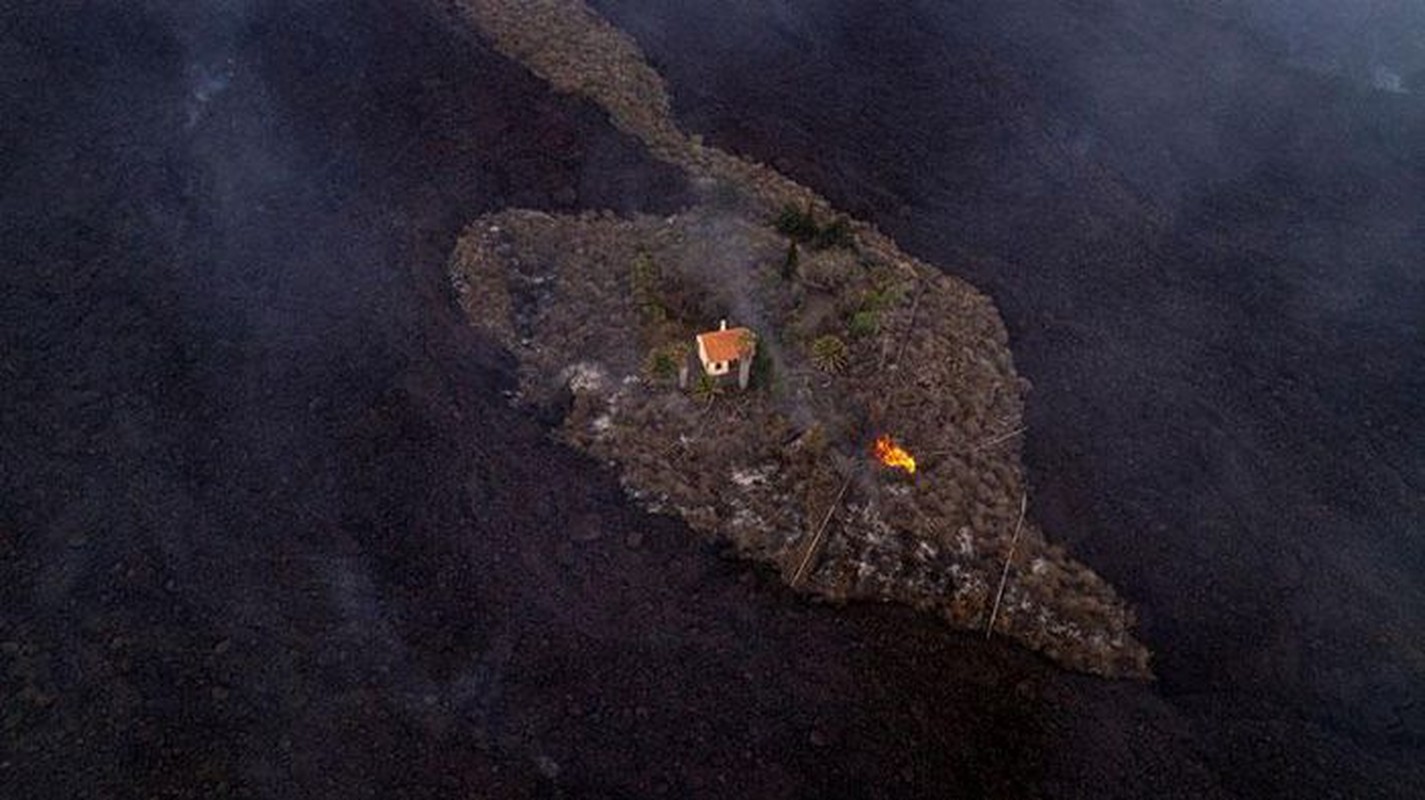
x=640 y=333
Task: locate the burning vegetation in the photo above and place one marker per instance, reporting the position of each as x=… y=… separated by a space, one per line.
x=893 y=455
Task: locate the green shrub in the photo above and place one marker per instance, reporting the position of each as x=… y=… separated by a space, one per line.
x=881 y=298
x=836 y=234
x=645 y=279
x=882 y=275
x=705 y=388
x=799 y=225
x=864 y=323
x=802 y=226
x=644 y=274
x=661 y=365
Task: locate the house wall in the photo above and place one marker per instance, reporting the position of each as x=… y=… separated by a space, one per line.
x=711 y=367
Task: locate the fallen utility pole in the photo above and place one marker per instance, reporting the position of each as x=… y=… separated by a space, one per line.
x=1003 y=576
x=816 y=538
x=985 y=445
x=998 y=439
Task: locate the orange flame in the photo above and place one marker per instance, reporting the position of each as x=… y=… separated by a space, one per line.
x=893 y=455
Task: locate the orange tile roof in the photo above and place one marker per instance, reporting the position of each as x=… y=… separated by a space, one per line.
x=727 y=345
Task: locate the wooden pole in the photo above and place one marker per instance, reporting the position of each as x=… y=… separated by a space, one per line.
x=1001 y=438
x=1003 y=576
x=905 y=337
x=816 y=538
x=985 y=445
x=910 y=327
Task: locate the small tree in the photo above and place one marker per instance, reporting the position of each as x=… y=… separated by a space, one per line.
x=835 y=234
x=802 y=226
x=799 y=225
x=792 y=262
x=764 y=373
